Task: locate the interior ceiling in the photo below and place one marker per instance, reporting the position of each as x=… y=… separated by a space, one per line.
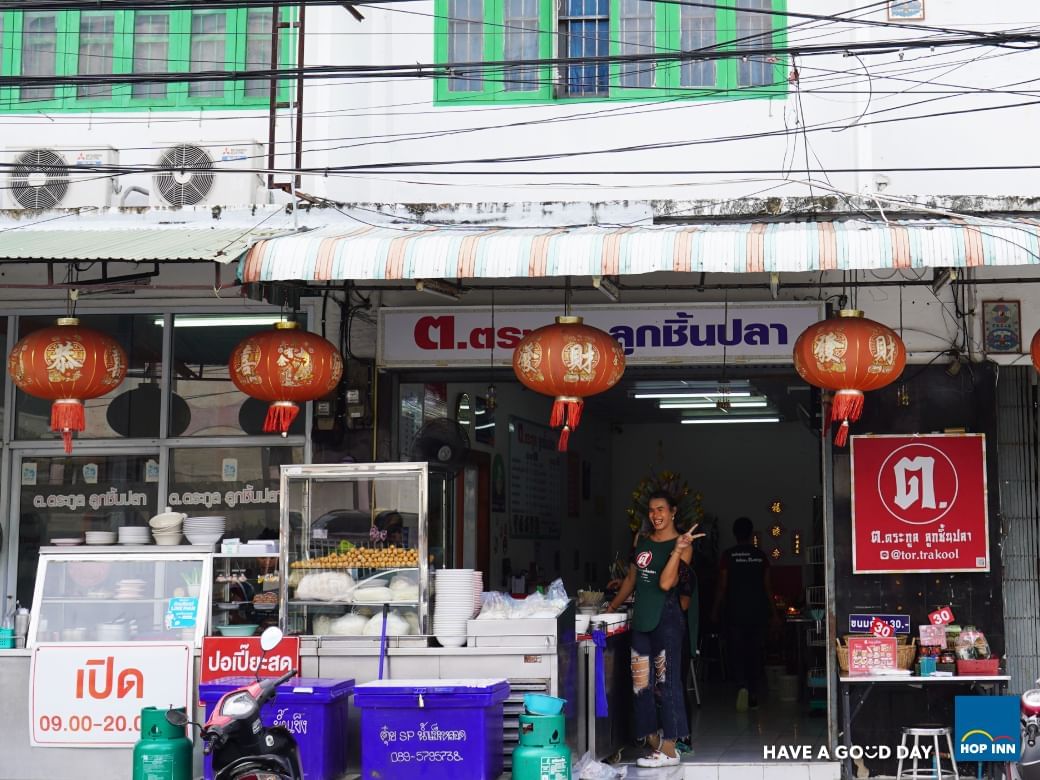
x=783 y=388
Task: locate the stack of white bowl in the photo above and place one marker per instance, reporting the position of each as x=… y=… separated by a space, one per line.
x=204 y=530
x=478 y=592
x=100 y=537
x=454 y=605
x=166 y=527
x=134 y=534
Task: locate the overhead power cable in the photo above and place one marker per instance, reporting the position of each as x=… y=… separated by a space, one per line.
x=440 y=70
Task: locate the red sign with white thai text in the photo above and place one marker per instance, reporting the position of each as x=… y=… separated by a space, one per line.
x=240 y=657
x=919 y=503
x=870 y=653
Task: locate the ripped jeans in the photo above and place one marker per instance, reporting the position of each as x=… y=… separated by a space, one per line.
x=657 y=675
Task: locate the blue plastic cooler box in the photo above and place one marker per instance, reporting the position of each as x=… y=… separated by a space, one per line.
x=313 y=709
x=431 y=728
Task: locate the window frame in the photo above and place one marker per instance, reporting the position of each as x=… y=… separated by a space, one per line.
x=66 y=98
x=667 y=36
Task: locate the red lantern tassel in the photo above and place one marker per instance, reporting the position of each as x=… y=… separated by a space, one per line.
x=280 y=416
x=67 y=416
x=558 y=412
x=847 y=405
x=565 y=437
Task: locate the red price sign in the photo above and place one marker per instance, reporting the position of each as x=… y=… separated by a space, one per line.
x=879 y=627
x=941 y=616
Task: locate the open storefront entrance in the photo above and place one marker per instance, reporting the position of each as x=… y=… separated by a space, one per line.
x=566 y=515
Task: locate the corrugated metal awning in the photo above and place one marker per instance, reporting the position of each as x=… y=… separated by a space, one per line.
x=151 y=244
x=418 y=252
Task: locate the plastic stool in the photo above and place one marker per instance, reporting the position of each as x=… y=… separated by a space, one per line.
x=935 y=771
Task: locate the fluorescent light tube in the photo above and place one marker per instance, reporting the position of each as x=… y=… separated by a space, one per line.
x=713 y=420
x=439 y=288
x=607 y=287
x=693 y=395
x=710 y=404
x=219 y=320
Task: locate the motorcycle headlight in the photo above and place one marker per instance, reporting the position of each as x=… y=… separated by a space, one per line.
x=238 y=706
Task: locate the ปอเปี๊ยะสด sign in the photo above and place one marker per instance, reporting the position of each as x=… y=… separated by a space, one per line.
x=919 y=503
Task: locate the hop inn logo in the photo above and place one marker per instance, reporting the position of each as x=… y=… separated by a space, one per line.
x=986 y=728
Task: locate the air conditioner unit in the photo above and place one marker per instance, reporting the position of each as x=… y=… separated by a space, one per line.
x=46 y=178
x=189 y=174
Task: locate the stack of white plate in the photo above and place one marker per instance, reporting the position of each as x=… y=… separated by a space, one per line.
x=130 y=589
x=478 y=592
x=454 y=605
x=134 y=534
x=204 y=530
x=67 y=541
x=101 y=537
x=166 y=527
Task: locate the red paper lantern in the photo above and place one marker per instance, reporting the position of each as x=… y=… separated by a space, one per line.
x=1034 y=350
x=849 y=354
x=68 y=364
x=569 y=361
x=284 y=366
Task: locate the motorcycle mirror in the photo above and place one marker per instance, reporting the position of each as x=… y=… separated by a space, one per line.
x=177 y=717
x=270 y=638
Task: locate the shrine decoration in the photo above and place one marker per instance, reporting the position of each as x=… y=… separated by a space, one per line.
x=569 y=361
x=850 y=355
x=285 y=366
x=68 y=364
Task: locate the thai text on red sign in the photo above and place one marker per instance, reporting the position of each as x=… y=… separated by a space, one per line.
x=238 y=657
x=872 y=652
x=919 y=503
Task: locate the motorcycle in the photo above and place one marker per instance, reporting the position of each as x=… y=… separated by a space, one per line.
x=1028 y=766
x=241 y=746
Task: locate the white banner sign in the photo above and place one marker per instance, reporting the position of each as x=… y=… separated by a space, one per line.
x=91 y=695
x=651 y=334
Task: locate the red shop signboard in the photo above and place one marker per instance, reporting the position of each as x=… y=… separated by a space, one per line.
x=919 y=503
x=240 y=657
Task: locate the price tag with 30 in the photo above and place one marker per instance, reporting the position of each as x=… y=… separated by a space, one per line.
x=879 y=627
x=941 y=616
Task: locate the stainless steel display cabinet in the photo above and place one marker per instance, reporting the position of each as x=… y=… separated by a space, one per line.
x=121 y=594
x=353 y=539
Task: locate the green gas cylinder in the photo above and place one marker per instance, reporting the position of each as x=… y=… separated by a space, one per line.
x=163 y=752
x=542 y=753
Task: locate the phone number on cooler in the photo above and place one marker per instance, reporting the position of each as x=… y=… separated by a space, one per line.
x=81 y=723
x=425 y=756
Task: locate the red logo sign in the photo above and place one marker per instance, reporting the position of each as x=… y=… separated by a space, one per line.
x=233 y=657
x=644 y=558
x=941 y=616
x=919 y=503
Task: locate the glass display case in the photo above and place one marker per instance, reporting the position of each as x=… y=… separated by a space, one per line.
x=353 y=541
x=245 y=593
x=138 y=594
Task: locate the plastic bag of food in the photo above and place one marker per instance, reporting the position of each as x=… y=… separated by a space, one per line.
x=588 y=768
x=348 y=625
x=395 y=625
x=325 y=586
x=494 y=607
x=971 y=644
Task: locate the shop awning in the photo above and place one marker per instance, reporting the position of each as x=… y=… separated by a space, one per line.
x=418 y=252
x=150 y=244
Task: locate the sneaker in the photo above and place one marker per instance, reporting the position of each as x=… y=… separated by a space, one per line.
x=742 y=700
x=658 y=759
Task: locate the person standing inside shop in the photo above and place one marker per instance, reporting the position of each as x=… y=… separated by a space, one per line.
x=744 y=591
x=660 y=560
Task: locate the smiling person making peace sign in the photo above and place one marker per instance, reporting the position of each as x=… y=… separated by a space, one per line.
x=660 y=562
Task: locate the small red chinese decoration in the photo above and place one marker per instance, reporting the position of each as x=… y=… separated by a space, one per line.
x=283 y=366
x=569 y=361
x=68 y=364
x=1034 y=350
x=849 y=354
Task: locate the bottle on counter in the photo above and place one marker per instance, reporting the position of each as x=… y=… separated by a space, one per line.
x=21 y=626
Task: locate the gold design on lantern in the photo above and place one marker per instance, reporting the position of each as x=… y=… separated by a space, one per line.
x=829 y=348
x=580 y=357
x=295 y=364
x=529 y=360
x=248 y=360
x=64 y=360
x=113 y=366
x=883 y=351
